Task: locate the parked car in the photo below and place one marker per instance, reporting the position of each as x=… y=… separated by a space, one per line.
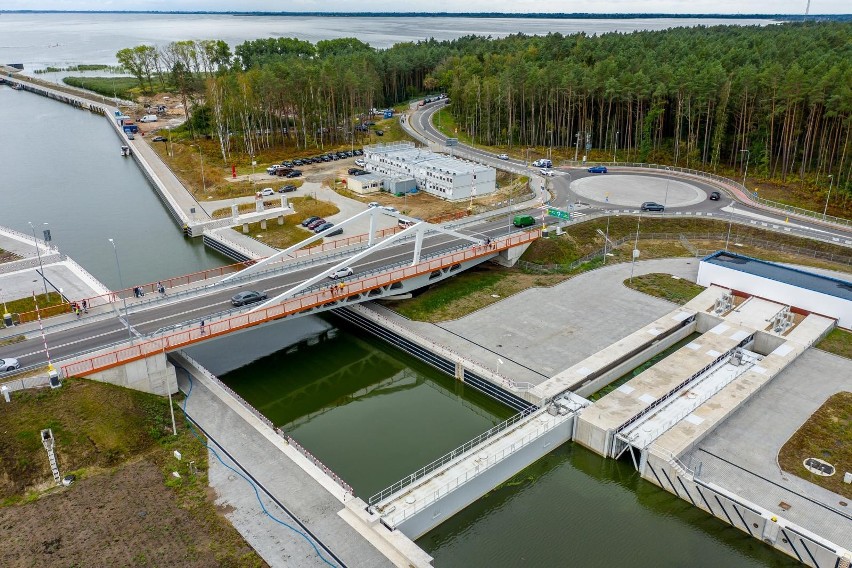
x=287 y=164
x=360 y=163
x=294 y=174
x=158 y=139
x=282 y=171
x=358 y=152
x=597 y=170
x=287 y=188
x=503 y=156
x=360 y=173
x=272 y=169
x=380 y=132
x=298 y=162
x=323 y=227
x=349 y=153
x=314 y=224
x=715 y=196
x=652 y=206
x=9 y=364
x=309 y=220
x=267 y=191
x=341 y=273
x=353 y=171
x=248 y=297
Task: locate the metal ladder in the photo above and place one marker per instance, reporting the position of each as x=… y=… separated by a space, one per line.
x=48 y=441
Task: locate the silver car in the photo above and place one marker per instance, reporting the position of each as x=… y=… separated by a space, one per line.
x=9 y=364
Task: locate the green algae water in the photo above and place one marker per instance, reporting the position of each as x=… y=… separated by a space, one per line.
x=374 y=415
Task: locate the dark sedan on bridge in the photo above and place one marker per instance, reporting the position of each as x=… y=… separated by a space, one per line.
x=248 y=297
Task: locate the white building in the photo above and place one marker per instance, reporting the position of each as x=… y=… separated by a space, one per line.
x=448 y=178
x=802 y=290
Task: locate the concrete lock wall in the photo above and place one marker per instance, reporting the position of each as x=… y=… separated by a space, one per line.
x=816 y=302
x=431 y=516
x=752 y=519
x=153 y=375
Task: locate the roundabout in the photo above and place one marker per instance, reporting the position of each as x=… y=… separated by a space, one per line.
x=630 y=190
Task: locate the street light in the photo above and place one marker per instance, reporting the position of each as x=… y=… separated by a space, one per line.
x=635 y=247
x=577 y=147
x=38 y=252
x=121 y=287
x=200 y=155
x=171 y=148
x=824 y=211
x=730 y=222
x=748 y=155
x=550 y=149
x=615 y=146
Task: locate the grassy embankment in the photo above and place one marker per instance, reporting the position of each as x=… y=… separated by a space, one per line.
x=665 y=286
x=126 y=88
x=808 y=194
x=291 y=232
x=477 y=288
x=839 y=342
x=827 y=435
x=27 y=304
x=102 y=443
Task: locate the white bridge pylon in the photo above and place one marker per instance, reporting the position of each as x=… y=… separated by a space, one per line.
x=420 y=229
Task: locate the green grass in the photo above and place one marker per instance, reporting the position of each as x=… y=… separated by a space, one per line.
x=665 y=286
x=27 y=304
x=291 y=232
x=839 y=342
x=445 y=300
x=827 y=435
x=121 y=87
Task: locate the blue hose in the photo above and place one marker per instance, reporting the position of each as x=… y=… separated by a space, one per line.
x=249 y=481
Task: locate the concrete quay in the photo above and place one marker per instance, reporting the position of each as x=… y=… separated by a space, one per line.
x=333 y=517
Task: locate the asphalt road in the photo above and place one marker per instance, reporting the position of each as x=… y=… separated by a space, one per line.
x=563 y=196
x=147 y=319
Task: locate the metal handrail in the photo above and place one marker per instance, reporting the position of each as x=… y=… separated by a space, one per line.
x=449 y=456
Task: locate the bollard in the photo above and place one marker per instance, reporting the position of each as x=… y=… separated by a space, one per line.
x=263 y=224
x=281 y=219
x=245 y=228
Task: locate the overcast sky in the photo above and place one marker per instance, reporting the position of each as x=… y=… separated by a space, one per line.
x=610 y=7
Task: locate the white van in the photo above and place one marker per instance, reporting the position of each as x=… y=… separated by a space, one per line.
x=543 y=163
x=149 y=118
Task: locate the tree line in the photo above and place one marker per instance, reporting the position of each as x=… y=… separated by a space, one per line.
x=779 y=96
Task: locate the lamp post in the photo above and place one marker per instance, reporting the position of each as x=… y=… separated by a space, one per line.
x=577 y=147
x=606 y=237
x=201 y=156
x=745 y=173
x=615 y=146
x=550 y=148
x=635 y=247
x=528 y=156
x=38 y=252
x=121 y=287
x=730 y=222
x=171 y=148
x=825 y=210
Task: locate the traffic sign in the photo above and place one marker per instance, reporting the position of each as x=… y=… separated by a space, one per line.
x=558 y=213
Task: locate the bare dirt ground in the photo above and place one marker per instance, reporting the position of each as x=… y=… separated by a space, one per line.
x=125 y=518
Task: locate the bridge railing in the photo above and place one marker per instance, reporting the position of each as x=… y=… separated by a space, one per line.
x=147 y=347
x=483 y=464
x=449 y=456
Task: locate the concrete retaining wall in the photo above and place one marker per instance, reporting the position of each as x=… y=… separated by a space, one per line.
x=154 y=375
x=441 y=510
x=752 y=519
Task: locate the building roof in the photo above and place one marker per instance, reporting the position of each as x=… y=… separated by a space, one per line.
x=368 y=177
x=421 y=157
x=792 y=276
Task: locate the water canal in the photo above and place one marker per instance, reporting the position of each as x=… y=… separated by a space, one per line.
x=370 y=412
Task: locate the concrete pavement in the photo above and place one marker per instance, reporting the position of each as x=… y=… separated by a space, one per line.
x=741 y=454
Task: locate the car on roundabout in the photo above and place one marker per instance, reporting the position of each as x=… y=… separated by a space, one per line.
x=341 y=273
x=715 y=196
x=653 y=206
x=597 y=170
x=9 y=364
x=247 y=297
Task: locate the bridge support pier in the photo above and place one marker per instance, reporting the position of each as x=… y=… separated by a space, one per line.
x=510 y=256
x=153 y=375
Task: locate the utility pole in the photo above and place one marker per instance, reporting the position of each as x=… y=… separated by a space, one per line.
x=577 y=147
